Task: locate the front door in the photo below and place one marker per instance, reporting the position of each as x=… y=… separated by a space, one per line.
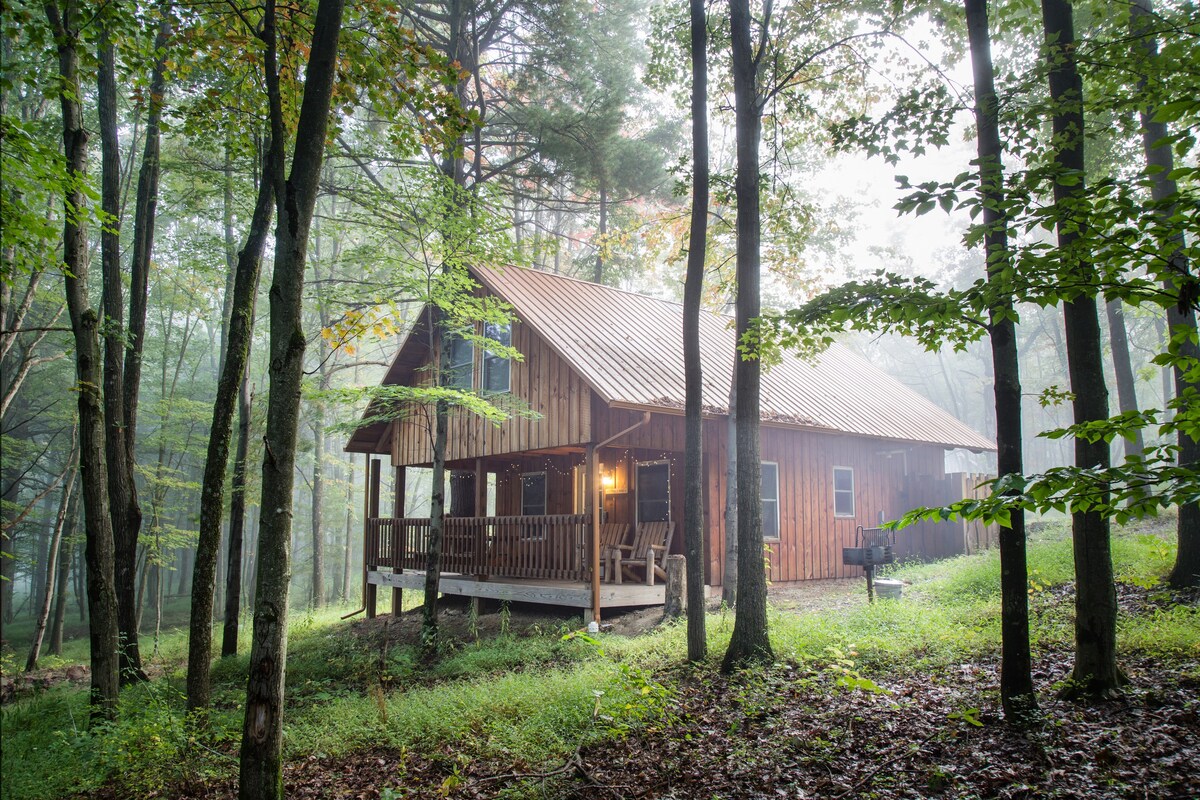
x=653 y=492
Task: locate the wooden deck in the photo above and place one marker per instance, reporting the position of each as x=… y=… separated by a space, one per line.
x=529 y=559
x=526 y=590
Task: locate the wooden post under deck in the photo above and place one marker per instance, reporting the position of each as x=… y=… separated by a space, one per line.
x=372 y=511
x=368 y=589
x=398 y=512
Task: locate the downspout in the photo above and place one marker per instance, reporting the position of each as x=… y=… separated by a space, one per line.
x=593 y=456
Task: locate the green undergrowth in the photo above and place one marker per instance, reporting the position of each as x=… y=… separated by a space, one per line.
x=532 y=698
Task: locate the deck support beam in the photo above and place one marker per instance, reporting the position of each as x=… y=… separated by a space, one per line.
x=370 y=510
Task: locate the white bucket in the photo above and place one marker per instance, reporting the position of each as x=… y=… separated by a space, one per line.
x=888 y=587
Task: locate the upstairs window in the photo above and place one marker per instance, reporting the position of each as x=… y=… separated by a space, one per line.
x=497 y=370
x=843 y=492
x=460 y=365
x=770 y=500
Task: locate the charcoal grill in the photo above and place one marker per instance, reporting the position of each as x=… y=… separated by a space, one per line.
x=872 y=547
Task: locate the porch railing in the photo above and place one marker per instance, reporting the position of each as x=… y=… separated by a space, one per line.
x=554 y=547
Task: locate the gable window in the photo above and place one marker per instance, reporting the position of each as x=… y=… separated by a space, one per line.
x=843 y=492
x=533 y=494
x=460 y=363
x=770 y=500
x=497 y=370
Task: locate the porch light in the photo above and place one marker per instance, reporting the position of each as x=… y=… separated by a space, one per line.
x=607 y=480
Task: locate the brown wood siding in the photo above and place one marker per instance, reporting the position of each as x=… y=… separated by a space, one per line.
x=559 y=483
x=811 y=536
x=542 y=380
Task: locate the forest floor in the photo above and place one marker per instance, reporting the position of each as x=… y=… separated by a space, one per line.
x=893 y=700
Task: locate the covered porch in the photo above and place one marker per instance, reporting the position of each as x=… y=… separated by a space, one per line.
x=534 y=559
x=527 y=527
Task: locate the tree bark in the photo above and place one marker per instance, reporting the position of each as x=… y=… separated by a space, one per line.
x=730 y=570
x=52 y=556
x=457 y=50
x=1180 y=317
x=318 y=503
x=346 y=575
x=261 y=762
x=749 y=641
x=93 y=473
x=1118 y=339
x=693 y=481
x=118 y=446
x=63 y=579
x=1095 y=673
x=230 y=388
x=144 y=220
x=1017 y=694
x=237 y=522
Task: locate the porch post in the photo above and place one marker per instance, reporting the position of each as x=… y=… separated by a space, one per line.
x=368 y=588
x=593 y=489
x=480 y=488
x=397 y=540
x=372 y=513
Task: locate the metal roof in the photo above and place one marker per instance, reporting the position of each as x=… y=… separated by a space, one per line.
x=629 y=349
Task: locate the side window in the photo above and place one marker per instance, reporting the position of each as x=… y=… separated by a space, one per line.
x=770 y=500
x=533 y=494
x=654 y=492
x=497 y=371
x=461 y=363
x=843 y=492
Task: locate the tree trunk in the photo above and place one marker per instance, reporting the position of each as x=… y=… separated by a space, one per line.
x=318 y=503
x=261 y=770
x=1180 y=319
x=457 y=50
x=1017 y=694
x=102 y=600
x=237 y=523
x=1095 y=673
x=1127 y=402
x=346 y=574
x=52 y=556
x=598 y=277
x=118 y=446
x=230 y=388
x=749 y=641
x=42 y=536
x=144 y=220
x=437 y=509
x=676 y=587
x=63 y=579
x=730 y=570
x=693 y=481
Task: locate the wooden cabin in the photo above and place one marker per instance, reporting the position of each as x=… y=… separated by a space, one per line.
x=843 y=445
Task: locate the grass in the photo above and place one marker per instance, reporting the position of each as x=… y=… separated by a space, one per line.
x=533 y=698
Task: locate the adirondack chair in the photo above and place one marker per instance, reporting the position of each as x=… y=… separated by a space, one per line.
x=612 y=536
x=648 y=551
